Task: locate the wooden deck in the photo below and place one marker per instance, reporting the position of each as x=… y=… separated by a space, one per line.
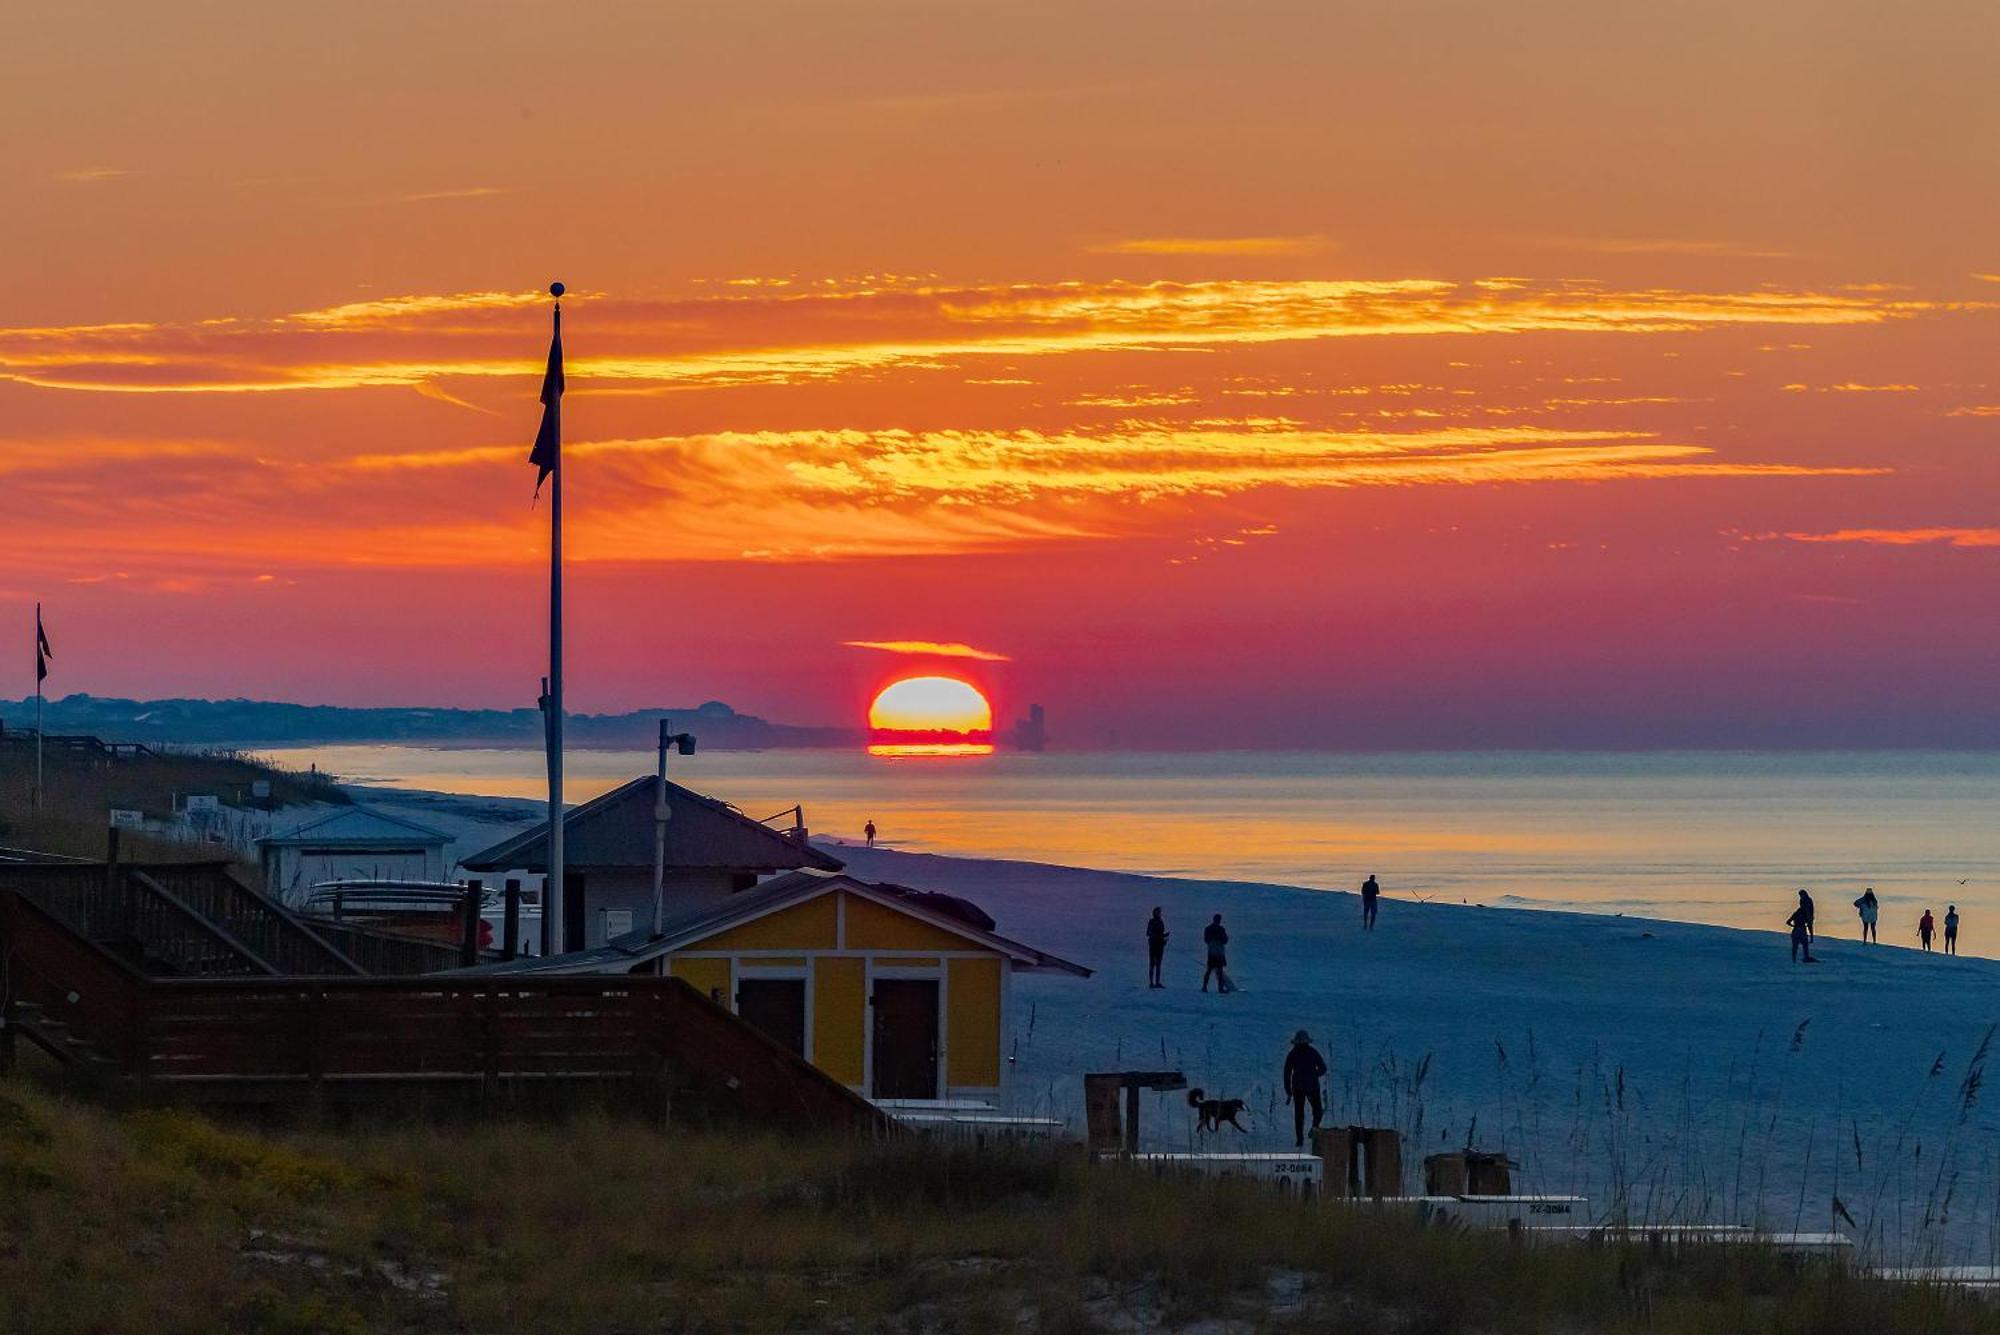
x=262 y=1038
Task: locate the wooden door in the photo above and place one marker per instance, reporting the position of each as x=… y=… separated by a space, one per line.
x=777 y=1006
x=906 y=1038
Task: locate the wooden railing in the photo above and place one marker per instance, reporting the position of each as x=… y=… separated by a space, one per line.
x=386 y=954
x=262 y=1037
x=71 y=978
x=273 y=935
x=183 y=918
x=172 y=935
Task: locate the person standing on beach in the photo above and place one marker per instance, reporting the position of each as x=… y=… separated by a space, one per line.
x=868 y=833
x=1951 y=929
x=1216 y=937
x=1156 y=948
x=1304 y=1069
x=1869 y=910
x=1926 y=928
x=1801 y=924
x=1370 y=892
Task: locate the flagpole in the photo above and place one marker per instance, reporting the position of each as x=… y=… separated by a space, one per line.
x=39 y=670
x=552 y=892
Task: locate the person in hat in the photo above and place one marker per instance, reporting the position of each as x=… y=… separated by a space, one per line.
x=1304 y=1069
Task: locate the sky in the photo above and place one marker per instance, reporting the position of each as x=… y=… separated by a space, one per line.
x=1315 y=374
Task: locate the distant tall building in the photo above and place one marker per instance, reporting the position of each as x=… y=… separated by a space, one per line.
x=1032 y=733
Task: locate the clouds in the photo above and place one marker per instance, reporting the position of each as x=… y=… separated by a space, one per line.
x=1215 y=245
x=782 y=337
x=891 y=417
x=929 y=649
x=1899 y=537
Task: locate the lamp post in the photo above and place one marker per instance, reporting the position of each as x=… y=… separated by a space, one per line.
x=684 y=743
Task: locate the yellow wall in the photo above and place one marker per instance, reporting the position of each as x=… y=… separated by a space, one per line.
x=708 y=977
x=807 y=926
x=873 y=927
x=839 y=1014
x=973 y=1023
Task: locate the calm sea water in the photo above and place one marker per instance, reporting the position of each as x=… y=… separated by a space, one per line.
x=1705 y=837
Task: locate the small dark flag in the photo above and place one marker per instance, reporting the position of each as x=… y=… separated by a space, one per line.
x=42 y=651
x=548 y=440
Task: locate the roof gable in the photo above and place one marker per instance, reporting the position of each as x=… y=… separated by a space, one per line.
x=617 y=830
x=357 y=825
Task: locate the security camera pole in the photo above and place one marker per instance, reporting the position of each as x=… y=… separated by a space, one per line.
x=684 y=742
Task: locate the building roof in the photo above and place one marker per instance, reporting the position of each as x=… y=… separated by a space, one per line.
x=616 y=830
x=356 y=826
x=623 y=953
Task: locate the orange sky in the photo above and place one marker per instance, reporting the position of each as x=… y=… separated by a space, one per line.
x=1355 y=374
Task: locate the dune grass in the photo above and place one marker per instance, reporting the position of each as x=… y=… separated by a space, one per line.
x=80 y=790
x=165 y=1221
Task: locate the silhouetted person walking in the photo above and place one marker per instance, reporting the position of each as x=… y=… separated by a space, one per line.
x=1801 y=924
x=1951 y=929
x=868 y=833
x=1216 y=937
x=1869 y=910
x=1370 y=892
x=1304 y=1069
x=1156 y=948
x=1926 y=928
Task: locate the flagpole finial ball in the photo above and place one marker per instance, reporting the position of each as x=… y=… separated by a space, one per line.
x=555 y=289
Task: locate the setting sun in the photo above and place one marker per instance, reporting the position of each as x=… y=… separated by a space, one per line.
x=930 y=716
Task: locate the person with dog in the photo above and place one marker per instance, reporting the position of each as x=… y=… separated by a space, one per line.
x=1216 y=937
x=1371 y=891
x=1304 y=1069
x=1156 y=948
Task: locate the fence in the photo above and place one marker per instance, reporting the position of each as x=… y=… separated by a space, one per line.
x=260 y=1038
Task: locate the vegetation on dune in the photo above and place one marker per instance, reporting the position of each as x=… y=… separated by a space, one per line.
x=166 y=1221
x=81 y=789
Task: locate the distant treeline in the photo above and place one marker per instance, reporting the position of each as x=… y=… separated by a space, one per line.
x=272 y=723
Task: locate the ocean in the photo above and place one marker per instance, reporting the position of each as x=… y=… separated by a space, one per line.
x=1712 y=837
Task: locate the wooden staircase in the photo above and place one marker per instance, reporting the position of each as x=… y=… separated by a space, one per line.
x=178 y=920
x=30 y=1021
x=182 y=981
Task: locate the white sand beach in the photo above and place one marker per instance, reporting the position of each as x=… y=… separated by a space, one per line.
x=1674 y=1071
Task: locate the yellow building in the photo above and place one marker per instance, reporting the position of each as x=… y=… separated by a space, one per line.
x=897 y=993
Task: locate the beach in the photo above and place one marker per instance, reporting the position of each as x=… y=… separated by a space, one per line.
x=1665 y=1070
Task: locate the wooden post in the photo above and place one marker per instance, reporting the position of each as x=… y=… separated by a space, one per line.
x=1334 y=1146
x=1385 y=1162
x=1100 y=1109
x=1131 y=1119
x=576 y=923
x=510 y=939
x=548 y=921
x=315 y=1027
x=468 y=950
x=490 y=1002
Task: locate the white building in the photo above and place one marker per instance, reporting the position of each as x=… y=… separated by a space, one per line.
x=351 y=843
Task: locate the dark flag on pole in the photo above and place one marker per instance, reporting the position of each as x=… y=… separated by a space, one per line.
x=42 y=651
x=548 y=440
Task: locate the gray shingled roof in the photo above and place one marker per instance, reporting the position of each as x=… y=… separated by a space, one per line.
x=616 y=830
x=357 y=826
